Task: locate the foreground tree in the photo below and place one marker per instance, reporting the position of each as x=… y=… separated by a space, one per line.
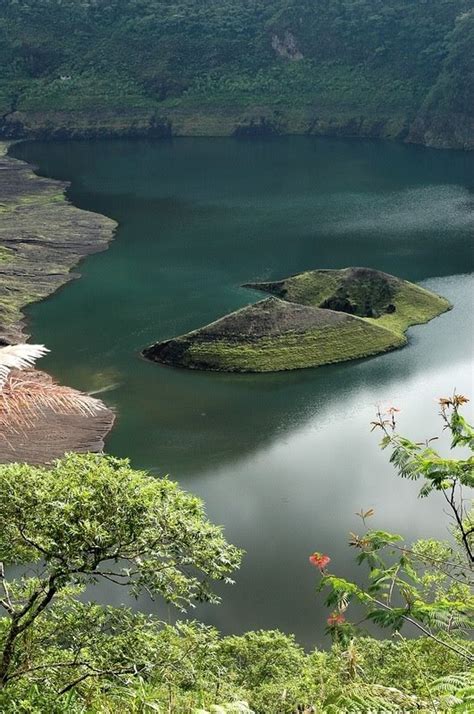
x=91 y=518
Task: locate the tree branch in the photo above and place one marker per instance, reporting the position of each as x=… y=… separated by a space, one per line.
x=5 y=603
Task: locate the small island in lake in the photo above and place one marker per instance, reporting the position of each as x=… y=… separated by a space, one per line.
x=314 y=318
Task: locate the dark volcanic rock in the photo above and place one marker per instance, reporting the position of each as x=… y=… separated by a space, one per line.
x=269 y=317
x=42 y=237
x=443 y=131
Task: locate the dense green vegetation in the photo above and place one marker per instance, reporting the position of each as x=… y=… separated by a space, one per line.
x=384 y=300
x=92 y=517
x=354 y=67
x=316 y=318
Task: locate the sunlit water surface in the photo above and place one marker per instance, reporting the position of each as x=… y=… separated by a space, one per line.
x=283 y=461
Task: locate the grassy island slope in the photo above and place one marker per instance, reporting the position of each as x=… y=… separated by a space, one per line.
x=371 y=294
x=275 y=335
x=312 y=319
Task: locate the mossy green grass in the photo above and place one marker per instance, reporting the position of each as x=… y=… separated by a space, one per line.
x=378 y=297
x=414 y=306
x=293 y=350
x=313 y=318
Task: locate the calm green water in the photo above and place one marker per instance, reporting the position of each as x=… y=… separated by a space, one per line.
x=283 y=461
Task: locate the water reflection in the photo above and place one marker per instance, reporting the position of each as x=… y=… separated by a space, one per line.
x=284 y=460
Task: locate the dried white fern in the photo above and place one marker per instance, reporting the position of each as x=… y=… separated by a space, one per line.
x=26 y=397
x=19 y=356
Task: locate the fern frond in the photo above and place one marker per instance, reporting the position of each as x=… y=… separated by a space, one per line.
x=452 y=683
x=446 y=620
x=20 y=356
x=456 y=692
x=370 y=698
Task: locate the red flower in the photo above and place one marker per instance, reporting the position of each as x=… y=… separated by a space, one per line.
x=319 y=560
x=335 y=618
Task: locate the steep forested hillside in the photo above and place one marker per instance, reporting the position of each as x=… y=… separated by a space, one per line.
x=401 y=68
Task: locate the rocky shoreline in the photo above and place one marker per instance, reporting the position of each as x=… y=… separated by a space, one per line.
x=42 y=237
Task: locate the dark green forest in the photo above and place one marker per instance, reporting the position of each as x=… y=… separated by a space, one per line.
x=391 y=68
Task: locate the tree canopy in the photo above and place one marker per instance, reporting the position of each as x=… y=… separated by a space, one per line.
x=93 y=518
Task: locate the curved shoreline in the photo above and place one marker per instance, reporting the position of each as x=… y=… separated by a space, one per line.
x=42 y=237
